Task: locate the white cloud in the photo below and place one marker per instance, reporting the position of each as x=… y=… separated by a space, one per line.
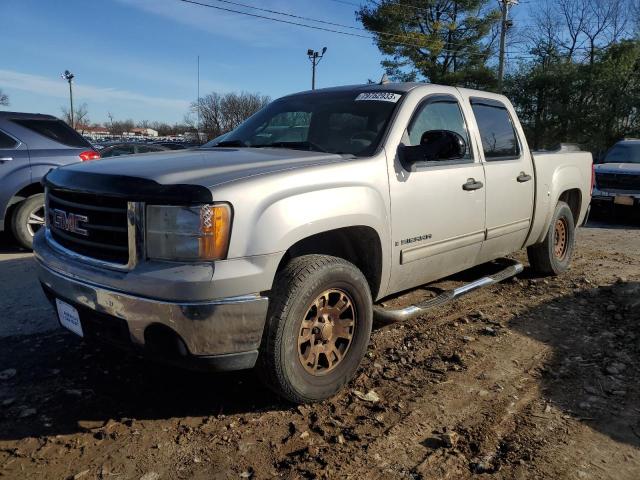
x=247 y=30
x=57 y=88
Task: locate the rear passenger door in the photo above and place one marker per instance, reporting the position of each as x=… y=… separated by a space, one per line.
x=15 y=171
x=509 y=178
x=13 y=154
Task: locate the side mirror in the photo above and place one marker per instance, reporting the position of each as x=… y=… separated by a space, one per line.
x=436 y=145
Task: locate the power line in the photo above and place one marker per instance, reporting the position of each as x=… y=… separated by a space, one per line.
x=341 y=25
x=286 y=14
x=316 y=27
x=345 y=2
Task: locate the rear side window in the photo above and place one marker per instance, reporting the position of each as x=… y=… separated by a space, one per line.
x=499 y=140
x=6 y=141
x=55 y=130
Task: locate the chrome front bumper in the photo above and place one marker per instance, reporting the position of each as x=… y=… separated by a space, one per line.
x=226 y=326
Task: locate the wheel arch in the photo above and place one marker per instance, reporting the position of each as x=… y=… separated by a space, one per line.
x=22 y=194
x=573 y=198
x=360 y=245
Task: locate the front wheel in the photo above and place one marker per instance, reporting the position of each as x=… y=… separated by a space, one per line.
x=28 y=218
x=317 y=329
x=553 y=255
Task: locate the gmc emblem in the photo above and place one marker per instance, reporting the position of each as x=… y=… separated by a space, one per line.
x=69 y=221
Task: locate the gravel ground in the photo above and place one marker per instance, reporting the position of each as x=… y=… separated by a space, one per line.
x=531 y=378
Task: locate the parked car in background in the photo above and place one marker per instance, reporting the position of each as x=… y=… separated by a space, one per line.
x=176 y=145
x=130 y=149
x=31 y=144
x=617 y=175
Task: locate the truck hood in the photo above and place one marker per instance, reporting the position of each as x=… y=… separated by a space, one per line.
x=205 y=167
x=179 y=176
x=618 y=168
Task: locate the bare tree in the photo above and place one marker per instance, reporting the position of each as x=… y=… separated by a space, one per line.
x=606 y=21
x=635 y=17
x=575 y=14
x=4 y=99
x=144 y=124
x=545 y=37
x=118 y=127
x=578 y=29
x=80 y=116
x=220 y=113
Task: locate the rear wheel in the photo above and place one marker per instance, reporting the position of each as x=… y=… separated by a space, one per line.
x=317 y=329
x=553 y=255
x=28 y=218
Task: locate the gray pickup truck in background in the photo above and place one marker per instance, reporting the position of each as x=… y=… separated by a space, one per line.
x=617 y=176
x=270 y=247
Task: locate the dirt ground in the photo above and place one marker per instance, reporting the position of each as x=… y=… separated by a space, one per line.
x=532 y=378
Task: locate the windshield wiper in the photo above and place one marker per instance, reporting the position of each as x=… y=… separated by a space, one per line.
x=230 y=143
x=292 y=145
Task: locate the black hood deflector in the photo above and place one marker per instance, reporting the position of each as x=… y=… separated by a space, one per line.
x=133 y=189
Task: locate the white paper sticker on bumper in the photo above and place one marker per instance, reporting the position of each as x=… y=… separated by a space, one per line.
x=69 y=317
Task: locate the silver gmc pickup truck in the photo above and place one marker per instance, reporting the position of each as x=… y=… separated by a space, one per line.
x=272 y=247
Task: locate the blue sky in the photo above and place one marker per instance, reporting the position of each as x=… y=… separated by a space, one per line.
x=137 y=58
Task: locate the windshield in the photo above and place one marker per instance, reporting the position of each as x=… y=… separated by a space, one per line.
x=621 y=153
x=334 y=122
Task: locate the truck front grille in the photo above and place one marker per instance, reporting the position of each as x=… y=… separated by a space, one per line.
x=618 y=181
x=90 y=225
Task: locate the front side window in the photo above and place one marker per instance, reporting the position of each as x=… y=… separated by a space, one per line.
x=6 y=141
x=345 y=122
x=497 y=133
x=442 y=113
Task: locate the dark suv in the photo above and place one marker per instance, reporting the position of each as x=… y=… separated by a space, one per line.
x=31 y=145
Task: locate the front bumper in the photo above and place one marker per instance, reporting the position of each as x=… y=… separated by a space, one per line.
x=225 y=332
x=604 y=197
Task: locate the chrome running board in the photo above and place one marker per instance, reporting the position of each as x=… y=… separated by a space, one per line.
x=447 y=296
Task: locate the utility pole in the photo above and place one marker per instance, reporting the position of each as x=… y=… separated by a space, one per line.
x=506 y=23
x=68 y=76
x=315 y=58
x=198 y=109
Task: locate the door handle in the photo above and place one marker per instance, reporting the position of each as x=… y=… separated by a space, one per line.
x=523 y=177
x=5 y=159
x=472 y=184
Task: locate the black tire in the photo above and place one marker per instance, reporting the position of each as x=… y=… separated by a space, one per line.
x=303 y=281
x=21 y=227
x=545 y=257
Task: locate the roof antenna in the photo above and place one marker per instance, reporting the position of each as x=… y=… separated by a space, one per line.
x=384 y=80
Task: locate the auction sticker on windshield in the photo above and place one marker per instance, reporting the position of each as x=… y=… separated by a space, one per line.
x=379 y=97
x=69 y=317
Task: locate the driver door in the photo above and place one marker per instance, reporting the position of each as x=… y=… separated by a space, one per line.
x=437 y=207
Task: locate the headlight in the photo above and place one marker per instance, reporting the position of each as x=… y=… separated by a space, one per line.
x=194 y=233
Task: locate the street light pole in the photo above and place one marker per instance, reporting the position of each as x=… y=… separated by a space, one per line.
x=68 y=76
x=315 y=58
x=198 y=109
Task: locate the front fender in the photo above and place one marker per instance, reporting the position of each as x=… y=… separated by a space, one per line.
x=281 y=223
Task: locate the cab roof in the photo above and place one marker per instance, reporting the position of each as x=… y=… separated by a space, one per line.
x=393 y=87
